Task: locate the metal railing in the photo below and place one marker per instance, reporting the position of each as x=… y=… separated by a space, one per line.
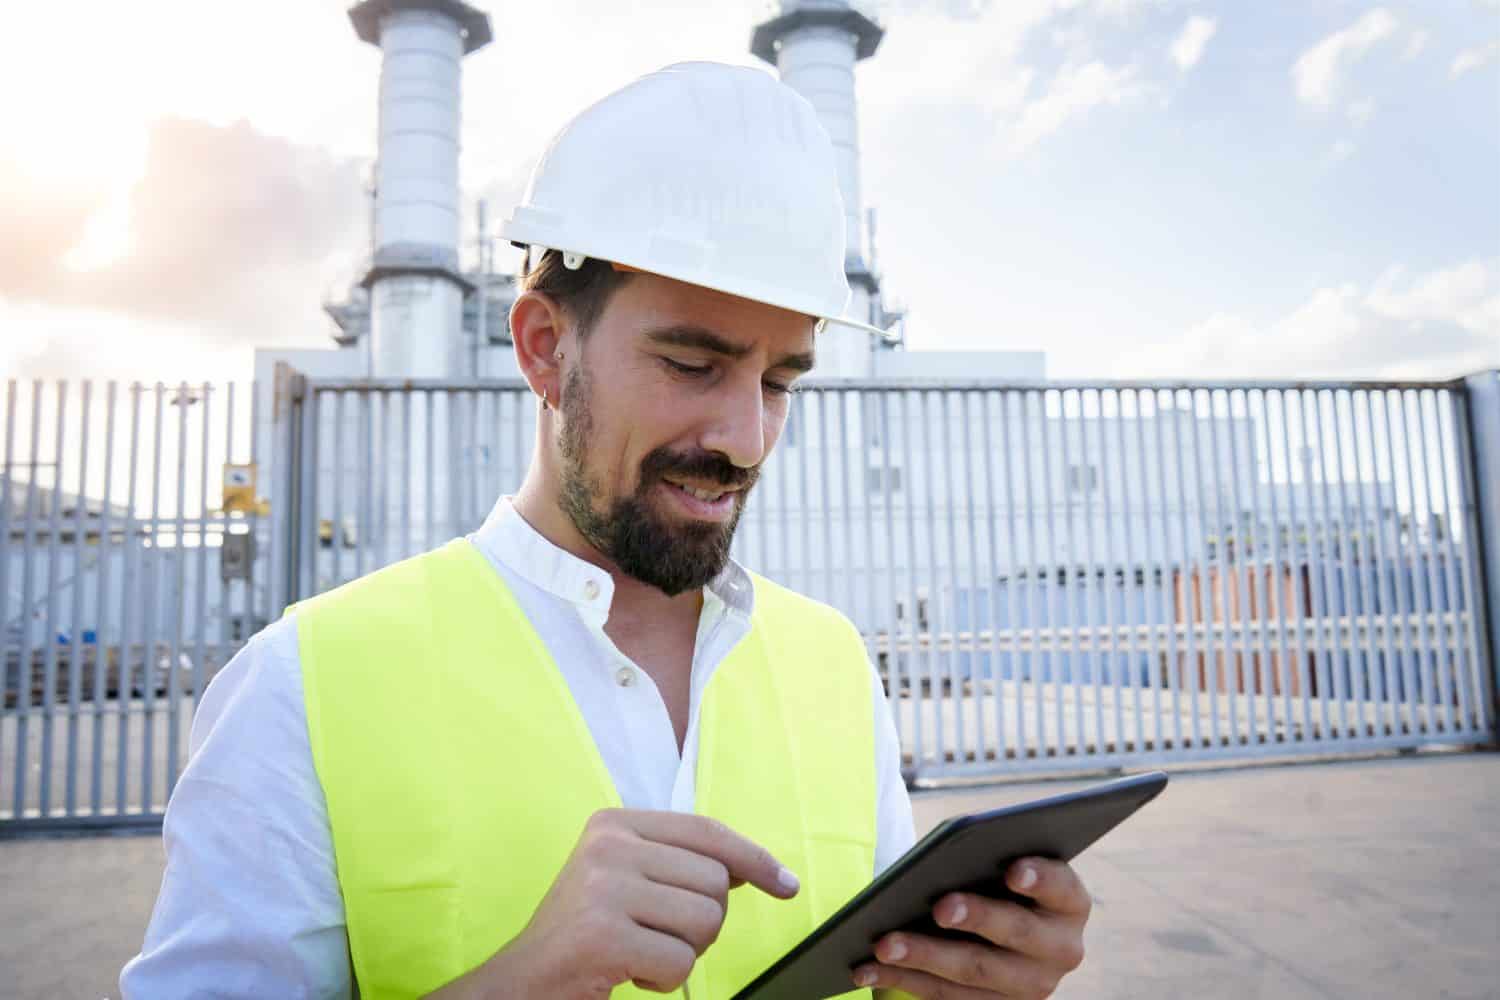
x=114 y=601
x=1048 y=576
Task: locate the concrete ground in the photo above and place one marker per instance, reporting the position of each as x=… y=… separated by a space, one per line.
x=1363 y=879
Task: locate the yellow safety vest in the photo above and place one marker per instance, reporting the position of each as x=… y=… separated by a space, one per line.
x=459 y=772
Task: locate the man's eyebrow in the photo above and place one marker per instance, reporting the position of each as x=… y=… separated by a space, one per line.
x=707 y=340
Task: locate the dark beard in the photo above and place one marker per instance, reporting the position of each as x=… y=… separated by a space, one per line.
x=674 y=557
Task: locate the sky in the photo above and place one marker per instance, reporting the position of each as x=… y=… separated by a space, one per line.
x=1185 y=189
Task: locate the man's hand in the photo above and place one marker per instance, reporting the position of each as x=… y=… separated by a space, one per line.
x=1028 y=950
x=641 y=897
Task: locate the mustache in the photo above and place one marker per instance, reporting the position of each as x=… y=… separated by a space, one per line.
x=705 y=465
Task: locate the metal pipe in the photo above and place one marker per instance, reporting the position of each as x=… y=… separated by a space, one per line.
x=980 y=743
x=1230 y=557
x=202 y=602
x=940 y=615
x=406 y=551
x=1388 y=662
x=1053 y=558
x=152 y=616
x=1480 y=621
x=1369 y=564
x=1352 y=704
x=101 y=629
x=174 y=692
x=1002 y=749
x=1027 y=675
x=1131 y=562
x=1439 y=715
x=226 y=605
x=918 y=706
x=1175 y=665
x=1259 y=582
x=132 y=568
x=1112 y=562
x=1066 y=582
x=336 y=557
x=875 y=622
x=75 y=634
x=49 y=631
x=1208 y=586
x=1416 y=627
x=1463 y=657
x=28 y=547
x=1190 y=599
x=827 y=500
x=1403 y=599
x=893 y=658
x=1318 y=578
x=931 y=570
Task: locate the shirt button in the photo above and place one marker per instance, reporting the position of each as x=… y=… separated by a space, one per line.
x=591 y=589
x=625 y=677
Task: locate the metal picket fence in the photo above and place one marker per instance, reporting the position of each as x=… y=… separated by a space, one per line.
x=1048 y=576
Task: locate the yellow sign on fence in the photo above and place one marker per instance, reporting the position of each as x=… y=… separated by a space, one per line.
x=239 y=487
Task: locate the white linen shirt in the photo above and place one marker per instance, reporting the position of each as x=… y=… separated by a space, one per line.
x=249 y=903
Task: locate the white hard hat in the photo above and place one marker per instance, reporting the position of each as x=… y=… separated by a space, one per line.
x=716 y=175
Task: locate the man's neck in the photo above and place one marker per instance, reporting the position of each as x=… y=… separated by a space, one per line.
x=635 y=604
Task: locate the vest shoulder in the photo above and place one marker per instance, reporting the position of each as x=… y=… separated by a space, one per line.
x=391 y=590
x=774 y=598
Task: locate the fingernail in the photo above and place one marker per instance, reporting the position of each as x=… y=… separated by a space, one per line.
x=895 y=950
x=956 y=912
x=788 y=881
x=865 y=976
x=1027 y=878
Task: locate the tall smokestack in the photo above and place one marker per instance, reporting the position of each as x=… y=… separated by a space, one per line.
x=814 y=45
x=416 y=288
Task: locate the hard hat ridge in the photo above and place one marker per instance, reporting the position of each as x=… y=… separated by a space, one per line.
x=716 y=175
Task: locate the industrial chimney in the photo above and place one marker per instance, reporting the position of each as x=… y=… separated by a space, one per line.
x=416 y=288
x=814 y=45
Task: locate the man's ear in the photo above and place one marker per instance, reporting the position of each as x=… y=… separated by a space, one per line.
x=538 y=328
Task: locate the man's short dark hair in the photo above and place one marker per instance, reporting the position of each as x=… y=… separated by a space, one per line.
x=583 y=293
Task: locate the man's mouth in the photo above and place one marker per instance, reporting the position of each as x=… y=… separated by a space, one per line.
x=708 y=495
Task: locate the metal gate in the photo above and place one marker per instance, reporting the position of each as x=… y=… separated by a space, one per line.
x=1048 y=576
x=126 y=583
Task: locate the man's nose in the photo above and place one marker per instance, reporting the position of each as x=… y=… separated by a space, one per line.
x=737 y=429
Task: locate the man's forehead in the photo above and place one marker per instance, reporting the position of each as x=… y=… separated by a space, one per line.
x=664 y=305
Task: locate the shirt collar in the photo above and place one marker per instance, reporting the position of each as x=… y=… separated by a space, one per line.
x=510 y=540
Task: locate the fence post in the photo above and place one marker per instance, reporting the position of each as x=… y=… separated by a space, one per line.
x=287 y=397
x=1483 y=391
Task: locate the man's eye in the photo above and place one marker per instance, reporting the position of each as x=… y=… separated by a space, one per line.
x=683 y=369
x=778 y=389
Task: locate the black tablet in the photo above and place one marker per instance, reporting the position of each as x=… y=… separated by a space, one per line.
x=964 y=853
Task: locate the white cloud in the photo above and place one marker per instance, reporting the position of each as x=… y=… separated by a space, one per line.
x=1191 y=41
x=1440 y=324
x=54 y=342
x=1317 y=71
x=1074 y=91
x=1362 y=111
x=1474 y=58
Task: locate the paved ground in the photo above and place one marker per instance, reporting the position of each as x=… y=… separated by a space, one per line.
x=1368 y=879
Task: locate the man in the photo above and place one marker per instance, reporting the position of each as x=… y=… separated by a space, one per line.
x=581 y=752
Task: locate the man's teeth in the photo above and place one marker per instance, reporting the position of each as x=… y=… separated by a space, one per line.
x=704 y=495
